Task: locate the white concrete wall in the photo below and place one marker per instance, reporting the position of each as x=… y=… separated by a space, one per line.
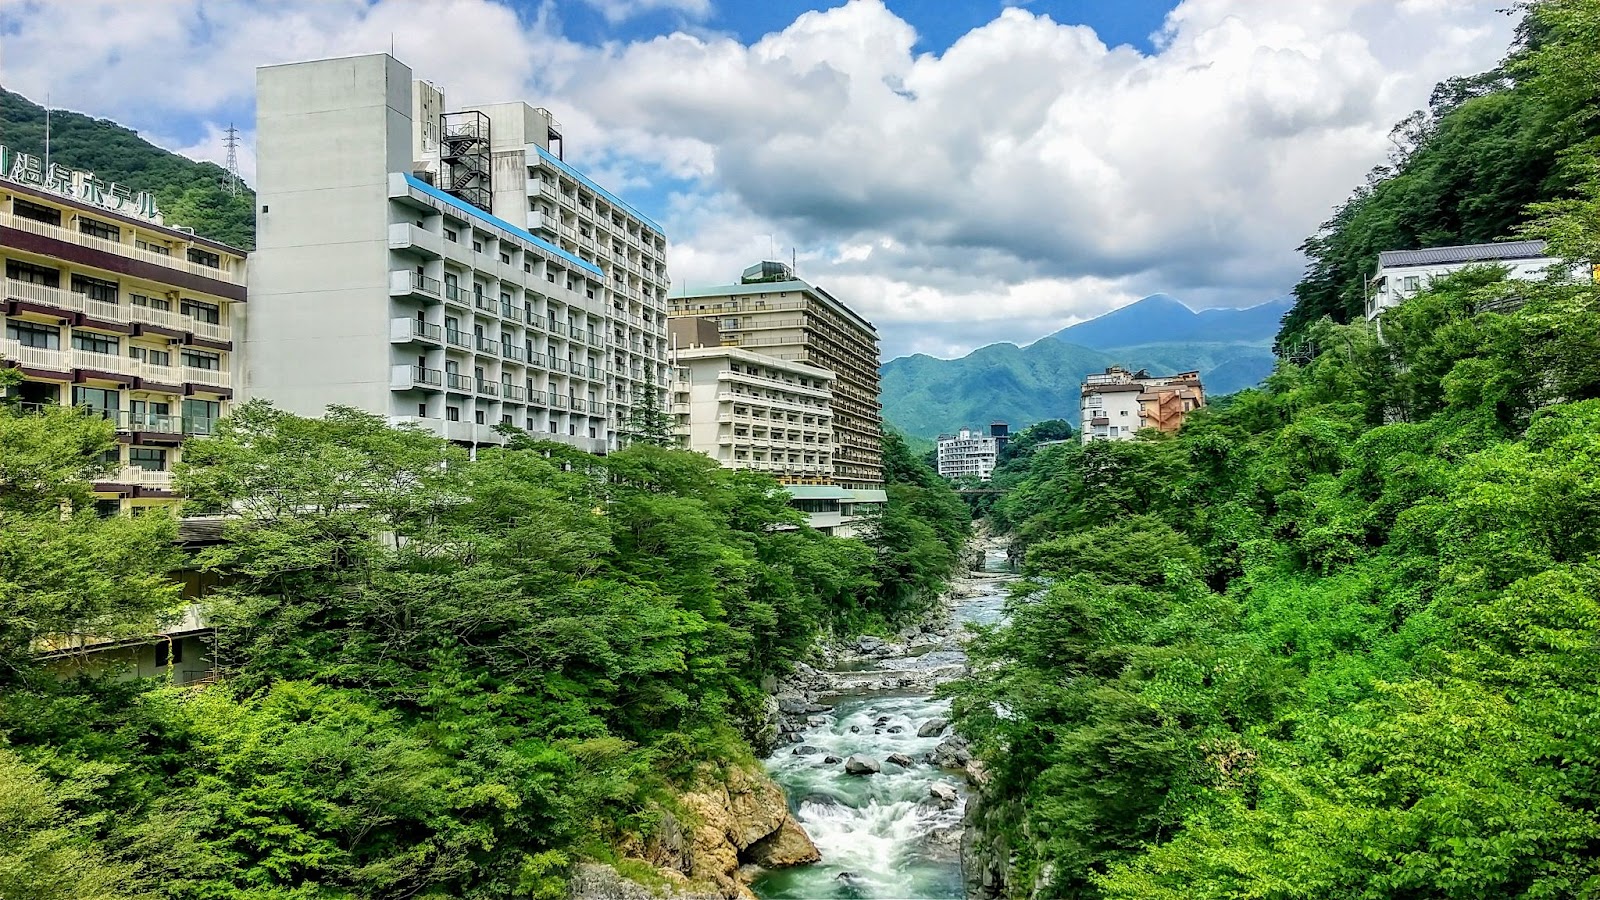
x=328 y=133
x=1120 y=407
x=1395 y=290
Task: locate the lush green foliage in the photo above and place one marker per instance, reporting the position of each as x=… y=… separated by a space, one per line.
x=1466 y=170
x=1336 y=638
x=443 y=676
x=189 y=193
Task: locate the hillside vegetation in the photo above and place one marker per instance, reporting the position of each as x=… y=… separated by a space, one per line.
x=1335 y=639
x=189 y=193
x=1465 y=169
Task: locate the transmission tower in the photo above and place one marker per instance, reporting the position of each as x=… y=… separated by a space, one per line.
x=232 y=143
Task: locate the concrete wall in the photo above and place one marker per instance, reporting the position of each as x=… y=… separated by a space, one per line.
x=327 y=135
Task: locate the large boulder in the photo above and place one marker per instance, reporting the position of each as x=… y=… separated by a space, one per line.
x=869 y=644
x=788 y=846
x=901 y=760
x=945 y=794
x=862 y=765
x=933 y=727
x=951 y=753
x=595 y=881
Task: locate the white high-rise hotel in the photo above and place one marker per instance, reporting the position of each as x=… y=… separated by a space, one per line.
x=443 y=267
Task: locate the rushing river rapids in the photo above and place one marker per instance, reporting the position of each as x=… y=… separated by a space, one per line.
x=885 y=835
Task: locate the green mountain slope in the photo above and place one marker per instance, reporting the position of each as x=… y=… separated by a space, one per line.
x=189 y=193
x=924 y=396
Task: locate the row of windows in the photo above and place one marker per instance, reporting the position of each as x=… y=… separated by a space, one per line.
x=48 y=337
x=108 y=291
x=106 y=231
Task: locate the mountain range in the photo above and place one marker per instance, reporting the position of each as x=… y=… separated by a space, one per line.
x=1232 y=348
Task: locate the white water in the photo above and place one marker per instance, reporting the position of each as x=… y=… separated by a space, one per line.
x=881 y=836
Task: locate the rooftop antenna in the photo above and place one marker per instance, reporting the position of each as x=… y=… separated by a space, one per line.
x=231 y=140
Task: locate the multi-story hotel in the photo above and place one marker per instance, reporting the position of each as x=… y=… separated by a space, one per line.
x=775 y=314
x=109 y=310
x=1118 y=403
x=970 y=453
x=443 y=268
x=749 y=411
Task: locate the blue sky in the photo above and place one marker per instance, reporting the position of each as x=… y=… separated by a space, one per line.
x=938 y=22
x=960 y=172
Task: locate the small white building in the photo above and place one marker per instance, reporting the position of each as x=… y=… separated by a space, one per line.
x=1402 y=273
x=1110 y=406
x=968 y=453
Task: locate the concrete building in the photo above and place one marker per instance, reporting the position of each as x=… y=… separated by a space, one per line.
x=1402 y=273
x=749 y=411
x=1118 y=403
x=443 y=268
x=110 y=310
x=775 y=314
x=970 y=453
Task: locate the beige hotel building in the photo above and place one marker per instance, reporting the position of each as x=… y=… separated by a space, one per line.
x=107 y=309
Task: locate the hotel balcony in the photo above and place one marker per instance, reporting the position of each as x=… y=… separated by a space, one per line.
x=26 y=296
x=406 y=331
x=225 y=273
x=412 y=285
x=407 y=378
x=404 y=236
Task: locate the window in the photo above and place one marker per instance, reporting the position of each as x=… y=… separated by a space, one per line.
x=1413 y=282
x=169 y=652
x=505 y=420
x=26 y=272
x=31 y=334
x=150 y=459
x=200 y=416
x=145 y=412
x=422 y=410
x=99 y=400
x=153 y=357
x=553 y=428
x=506 y=258
x=203 y=312
x=200 y=359
x=1124 y=412
x=477 y=416
x=95 y=343
x=155 y=247
x=204 y=258
x=151 y=302
x=99 y=229
x=450 y=235
x=106 y=509
x=477 y=245
x=95 y=288
x=25 y=210
x=452 y=413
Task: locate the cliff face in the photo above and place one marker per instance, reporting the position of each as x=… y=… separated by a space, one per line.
x=732 y=822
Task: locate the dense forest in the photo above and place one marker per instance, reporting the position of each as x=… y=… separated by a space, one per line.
x=1336 y=638
x=441 y=676
x=1466 y=169
x=189 y=193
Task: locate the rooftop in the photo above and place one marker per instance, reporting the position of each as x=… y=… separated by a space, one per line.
x=723 y=291
x=1465 y=253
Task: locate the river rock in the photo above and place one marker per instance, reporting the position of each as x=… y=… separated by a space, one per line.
x=951 y=753
x=869 y=644
x=944 y=793
x=862 y=765
x=788 y=846
x=794 y=706
x=595 y=881
x=855 y=729
x=901 y=760
x=933 y=727
x=806 y=750
x=830 y=760
x=896 y=729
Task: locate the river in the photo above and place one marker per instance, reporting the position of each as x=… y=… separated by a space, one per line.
x=881 y=836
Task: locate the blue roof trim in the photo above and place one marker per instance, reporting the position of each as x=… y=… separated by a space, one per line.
x=611 y=198
x=477 y=213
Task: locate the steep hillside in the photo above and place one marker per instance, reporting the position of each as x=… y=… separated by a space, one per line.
x=189 y=193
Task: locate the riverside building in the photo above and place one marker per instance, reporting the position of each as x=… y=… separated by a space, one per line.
x=970 y=453
x=775 y=314
x=110 y=310
x=1118 y=403
x=445 y=268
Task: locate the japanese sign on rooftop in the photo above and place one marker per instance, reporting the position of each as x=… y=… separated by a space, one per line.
x=26 y=168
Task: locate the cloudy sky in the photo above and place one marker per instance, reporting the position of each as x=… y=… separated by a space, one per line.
x=960 y=171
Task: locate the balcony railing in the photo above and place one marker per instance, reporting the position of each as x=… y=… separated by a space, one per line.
x=455 y=381
x=408 y=377
x=458 y=338
x=405 y=329
x=488 y=388
x=511 y=312
x=105 y=311
x=455 y=295
x=403 y=282
x=486 y=345
x=135 y=476
x=129 y=251
x=512 y=352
